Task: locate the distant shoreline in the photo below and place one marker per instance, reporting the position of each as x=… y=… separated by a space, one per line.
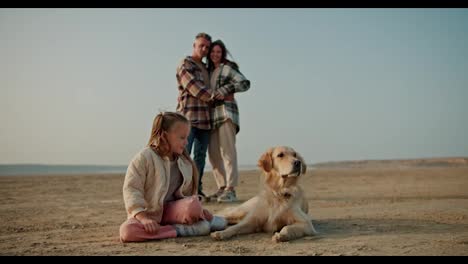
x=42 y=169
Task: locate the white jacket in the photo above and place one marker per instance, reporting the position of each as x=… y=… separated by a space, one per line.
x=147 y=182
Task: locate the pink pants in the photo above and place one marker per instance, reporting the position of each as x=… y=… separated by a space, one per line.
x=184 y=211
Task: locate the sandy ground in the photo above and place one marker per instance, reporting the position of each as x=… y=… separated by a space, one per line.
x=359 y=211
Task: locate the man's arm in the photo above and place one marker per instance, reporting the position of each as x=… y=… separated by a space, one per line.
x=187 y=80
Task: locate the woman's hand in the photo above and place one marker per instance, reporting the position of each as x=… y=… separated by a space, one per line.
x=229 y=97
x=218 y=96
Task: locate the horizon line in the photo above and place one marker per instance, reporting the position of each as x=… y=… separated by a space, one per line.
x=246 y=165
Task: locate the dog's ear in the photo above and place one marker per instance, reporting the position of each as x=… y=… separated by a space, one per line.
x=303 y=164
x=265 y=162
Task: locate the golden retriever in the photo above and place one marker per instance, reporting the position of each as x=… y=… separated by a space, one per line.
x=280 y=207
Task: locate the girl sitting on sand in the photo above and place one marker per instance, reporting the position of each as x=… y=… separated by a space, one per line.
x=160 y=187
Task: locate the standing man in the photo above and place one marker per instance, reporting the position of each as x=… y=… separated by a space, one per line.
x=193 y=101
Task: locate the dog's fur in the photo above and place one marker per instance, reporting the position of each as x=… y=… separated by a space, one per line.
x=280 y=207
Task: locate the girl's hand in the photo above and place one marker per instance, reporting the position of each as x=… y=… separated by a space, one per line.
x=207 y=214
x=150 y=225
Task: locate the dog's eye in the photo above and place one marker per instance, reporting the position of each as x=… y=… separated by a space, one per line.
x=294 y=154
x=280 y=155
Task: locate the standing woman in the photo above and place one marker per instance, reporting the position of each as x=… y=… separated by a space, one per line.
x=225 y=80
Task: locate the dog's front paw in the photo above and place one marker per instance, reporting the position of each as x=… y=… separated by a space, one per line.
x=277 y=237
x=218 y=235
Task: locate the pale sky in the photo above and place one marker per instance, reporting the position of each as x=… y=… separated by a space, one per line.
x=82 y=86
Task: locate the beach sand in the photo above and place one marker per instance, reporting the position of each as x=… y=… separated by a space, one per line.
x=358 y=211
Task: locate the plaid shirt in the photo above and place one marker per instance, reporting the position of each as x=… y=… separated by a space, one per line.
x=228 y=81
x=193 y=94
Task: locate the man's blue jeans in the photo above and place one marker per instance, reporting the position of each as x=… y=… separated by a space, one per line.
x=199 y=138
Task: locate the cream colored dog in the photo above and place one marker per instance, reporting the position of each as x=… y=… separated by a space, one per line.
x=280 y=207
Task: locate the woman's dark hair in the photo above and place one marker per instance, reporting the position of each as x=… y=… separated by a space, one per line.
x=224 y=53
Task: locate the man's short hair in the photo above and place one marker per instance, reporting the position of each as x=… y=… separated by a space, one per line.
x=203 y=35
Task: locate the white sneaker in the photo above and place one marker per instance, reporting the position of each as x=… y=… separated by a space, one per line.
x=218 y=223
x=228 y=196
x=217 y=194
x=200 y=228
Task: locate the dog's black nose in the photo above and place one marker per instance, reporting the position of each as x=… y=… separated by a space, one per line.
x=297 y=163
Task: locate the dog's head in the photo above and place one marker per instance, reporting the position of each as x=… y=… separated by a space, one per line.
x=284 y=161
